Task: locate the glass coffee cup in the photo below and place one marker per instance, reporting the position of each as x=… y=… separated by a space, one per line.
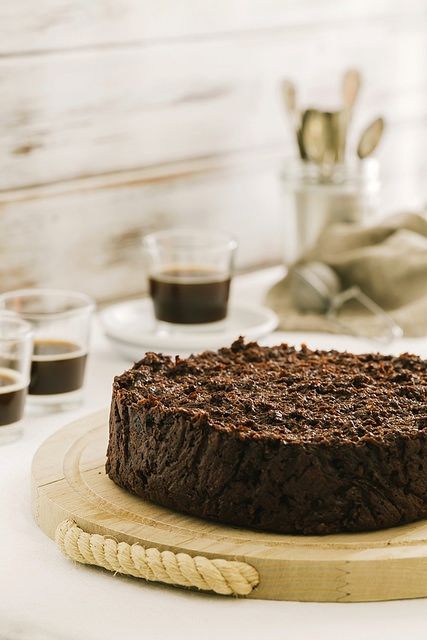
x=16 y=345
x=61 y=322
x=189 y=274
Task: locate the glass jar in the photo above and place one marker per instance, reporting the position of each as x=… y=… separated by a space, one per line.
x=314 y=199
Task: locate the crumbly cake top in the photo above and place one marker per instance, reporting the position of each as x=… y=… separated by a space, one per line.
x=286 y=394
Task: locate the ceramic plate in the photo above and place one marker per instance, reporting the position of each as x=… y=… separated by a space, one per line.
x=132 y=329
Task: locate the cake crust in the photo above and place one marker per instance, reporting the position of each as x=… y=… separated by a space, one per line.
x=274 y=438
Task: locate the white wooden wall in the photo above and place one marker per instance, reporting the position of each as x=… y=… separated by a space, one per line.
x=122 y=116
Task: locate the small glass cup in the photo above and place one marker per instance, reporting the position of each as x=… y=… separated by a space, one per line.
x=189 y=274
x=16 y=345
x=61 y=324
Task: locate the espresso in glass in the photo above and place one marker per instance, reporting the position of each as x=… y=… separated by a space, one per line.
x=189 y=295
x=60 y=320
x=189 y=275
x=13 y=389
x=57 y=366
x=16 y=342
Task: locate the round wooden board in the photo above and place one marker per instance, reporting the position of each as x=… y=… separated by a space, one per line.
x=69 y=481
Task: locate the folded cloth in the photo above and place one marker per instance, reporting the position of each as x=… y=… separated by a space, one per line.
x=387 y=261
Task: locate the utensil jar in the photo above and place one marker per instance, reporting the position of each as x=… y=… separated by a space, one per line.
x=313 y=200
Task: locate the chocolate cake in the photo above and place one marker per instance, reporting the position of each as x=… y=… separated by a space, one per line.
x=275 y=438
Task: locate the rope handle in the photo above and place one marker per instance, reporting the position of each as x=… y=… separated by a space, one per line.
x=226 y=577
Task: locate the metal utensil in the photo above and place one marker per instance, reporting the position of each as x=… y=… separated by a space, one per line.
x=313 y=285
x=316 y=288
x=340 y=126
x=320 y=138
x=370 y=138
x=314 y=134
x=392 y=329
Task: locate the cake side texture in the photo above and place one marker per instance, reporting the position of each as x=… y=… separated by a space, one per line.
x=274 y=438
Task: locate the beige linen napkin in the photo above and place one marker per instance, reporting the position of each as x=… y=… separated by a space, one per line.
x=387 y=261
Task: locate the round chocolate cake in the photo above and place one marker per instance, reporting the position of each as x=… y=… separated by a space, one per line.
x=274 y=438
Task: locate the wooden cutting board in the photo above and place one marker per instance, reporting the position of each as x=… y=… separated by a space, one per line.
x=69 y=481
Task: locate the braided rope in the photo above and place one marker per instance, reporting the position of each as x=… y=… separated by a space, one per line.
x=227 y=577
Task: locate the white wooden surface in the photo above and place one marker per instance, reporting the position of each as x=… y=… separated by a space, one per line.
x=45 y=597
x=104 y=103
x=90 y=236
x=52 y=25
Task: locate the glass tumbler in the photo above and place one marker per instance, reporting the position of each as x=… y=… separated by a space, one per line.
x=189 y=275
x=61 y=324
x=15 y=360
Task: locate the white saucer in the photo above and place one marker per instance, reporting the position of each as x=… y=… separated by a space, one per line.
x=132 y=330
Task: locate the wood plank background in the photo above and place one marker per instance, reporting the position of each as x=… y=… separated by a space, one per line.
x=119 y=117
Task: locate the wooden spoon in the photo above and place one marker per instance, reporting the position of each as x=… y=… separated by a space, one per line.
x=289 y=95
x=370 y=138
x=350 y=90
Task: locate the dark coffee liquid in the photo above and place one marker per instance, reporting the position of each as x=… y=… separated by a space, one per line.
x=12 y=397
x=190 y=295
x=57 y=366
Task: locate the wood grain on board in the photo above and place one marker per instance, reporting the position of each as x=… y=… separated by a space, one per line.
x=69 y=482
x=103 y=104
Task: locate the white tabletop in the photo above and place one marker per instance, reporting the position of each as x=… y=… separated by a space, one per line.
x=44 y=596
